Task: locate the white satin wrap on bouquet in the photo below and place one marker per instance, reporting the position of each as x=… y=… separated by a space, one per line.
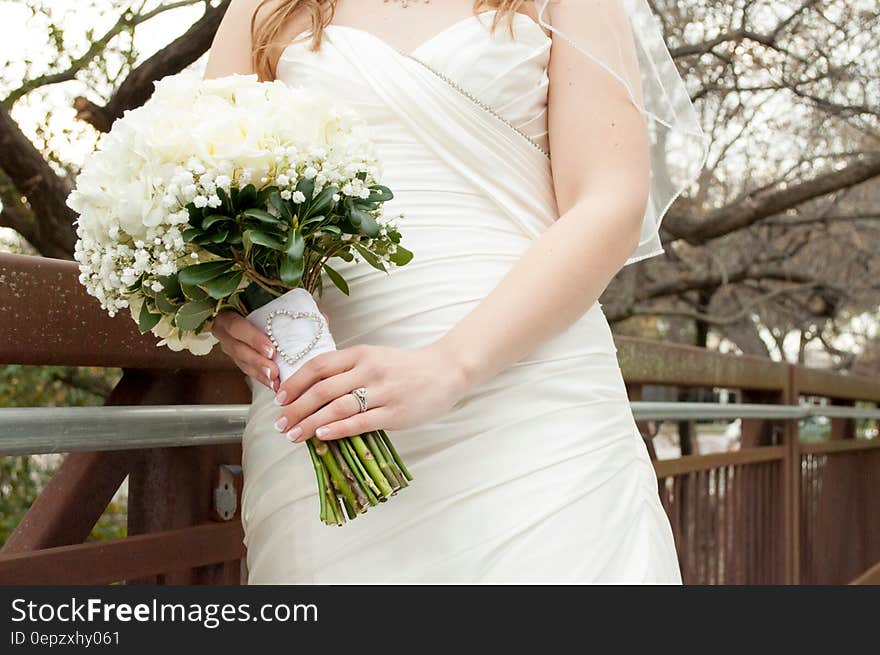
x=293 y=335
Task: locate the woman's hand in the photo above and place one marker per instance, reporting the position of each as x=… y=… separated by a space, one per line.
x=405 y=387
x=248 y=347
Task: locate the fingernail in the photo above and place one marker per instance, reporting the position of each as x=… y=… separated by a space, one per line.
x=322 y=432
x=281 y=423
x=294 y=434
x=270 y=351
x=280 y=397
x=275 y=385
x=268 y=372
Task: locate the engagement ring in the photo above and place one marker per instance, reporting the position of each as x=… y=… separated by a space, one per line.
x=361 y=395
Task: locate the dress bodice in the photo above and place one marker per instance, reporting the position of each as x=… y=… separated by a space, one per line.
x=463 y=235
x=506 y=72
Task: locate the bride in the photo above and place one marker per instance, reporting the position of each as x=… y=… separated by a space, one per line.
x=488 y=357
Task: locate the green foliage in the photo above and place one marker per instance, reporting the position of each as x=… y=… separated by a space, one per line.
x=23 y=478
x=272 y=244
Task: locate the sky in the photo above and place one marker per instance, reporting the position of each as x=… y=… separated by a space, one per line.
x=23 y=37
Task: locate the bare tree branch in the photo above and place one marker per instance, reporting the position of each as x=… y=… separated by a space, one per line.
x=126 y=21
x=44 y=190
x=758 y=205
x=138 y=86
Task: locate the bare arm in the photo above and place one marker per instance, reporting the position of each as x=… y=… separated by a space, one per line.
x=601 y=150
x=231 y=49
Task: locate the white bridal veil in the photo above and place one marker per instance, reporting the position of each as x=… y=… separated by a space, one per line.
x=597 y=29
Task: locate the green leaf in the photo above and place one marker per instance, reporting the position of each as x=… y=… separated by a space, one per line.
x=263 y=216
x=264 y=239
x=221 y=250
x=170 y=286
x=401 y=256
x=255 y=297
x=214 y=218
x=247 y=197
x=226 y=200
x=380 y=193
x=365 y=206
x=147 y=320
x=225 y=285
x=195 y=215
x=191 y=292
x=370 y=258
x=295 y=245
x=337 y=279
x=262 y=197
x=313 y=220
x=164 y=305
x=364 y=222
x=281 y=206
x=201 y=273
x=203 y=239
x=220 y=237
x=192 y=233
x=193 y=315
x=291 y=271
x=307 y=187
x=323 y=202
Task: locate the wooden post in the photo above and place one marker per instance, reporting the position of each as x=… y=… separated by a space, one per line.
x=791 y=483
x=173 y=487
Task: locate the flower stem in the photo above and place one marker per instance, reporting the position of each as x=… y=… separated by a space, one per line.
x=359 y=474
x=368 y=484
x=383 y=463
x=361 y=502
x=397 y=460
x=339 y=482
x=334 y=510
x=387 y=457
x=319 y=473
x=350 y=509
x=369 y=461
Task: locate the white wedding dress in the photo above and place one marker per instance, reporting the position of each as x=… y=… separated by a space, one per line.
x=538 y=476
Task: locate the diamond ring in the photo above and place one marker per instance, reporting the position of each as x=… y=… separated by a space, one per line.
x=361 y=395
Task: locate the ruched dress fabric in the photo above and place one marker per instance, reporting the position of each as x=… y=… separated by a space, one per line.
x=537 y=476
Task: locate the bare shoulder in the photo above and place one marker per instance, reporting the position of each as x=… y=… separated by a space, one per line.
x=530 y=9
x=292 y=25
x=232 y=45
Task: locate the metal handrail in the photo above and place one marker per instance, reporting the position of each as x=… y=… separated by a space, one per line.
x=42 y=430
x=676 y=411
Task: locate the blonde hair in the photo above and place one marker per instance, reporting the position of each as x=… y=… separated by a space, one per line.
x=266 y=34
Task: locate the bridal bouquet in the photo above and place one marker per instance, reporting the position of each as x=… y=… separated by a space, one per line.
x=235 y=194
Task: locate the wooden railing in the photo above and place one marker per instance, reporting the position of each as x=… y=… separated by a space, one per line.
x=47 y=319
x=775 y=511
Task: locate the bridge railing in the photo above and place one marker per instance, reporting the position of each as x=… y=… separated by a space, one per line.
x=777 y=510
